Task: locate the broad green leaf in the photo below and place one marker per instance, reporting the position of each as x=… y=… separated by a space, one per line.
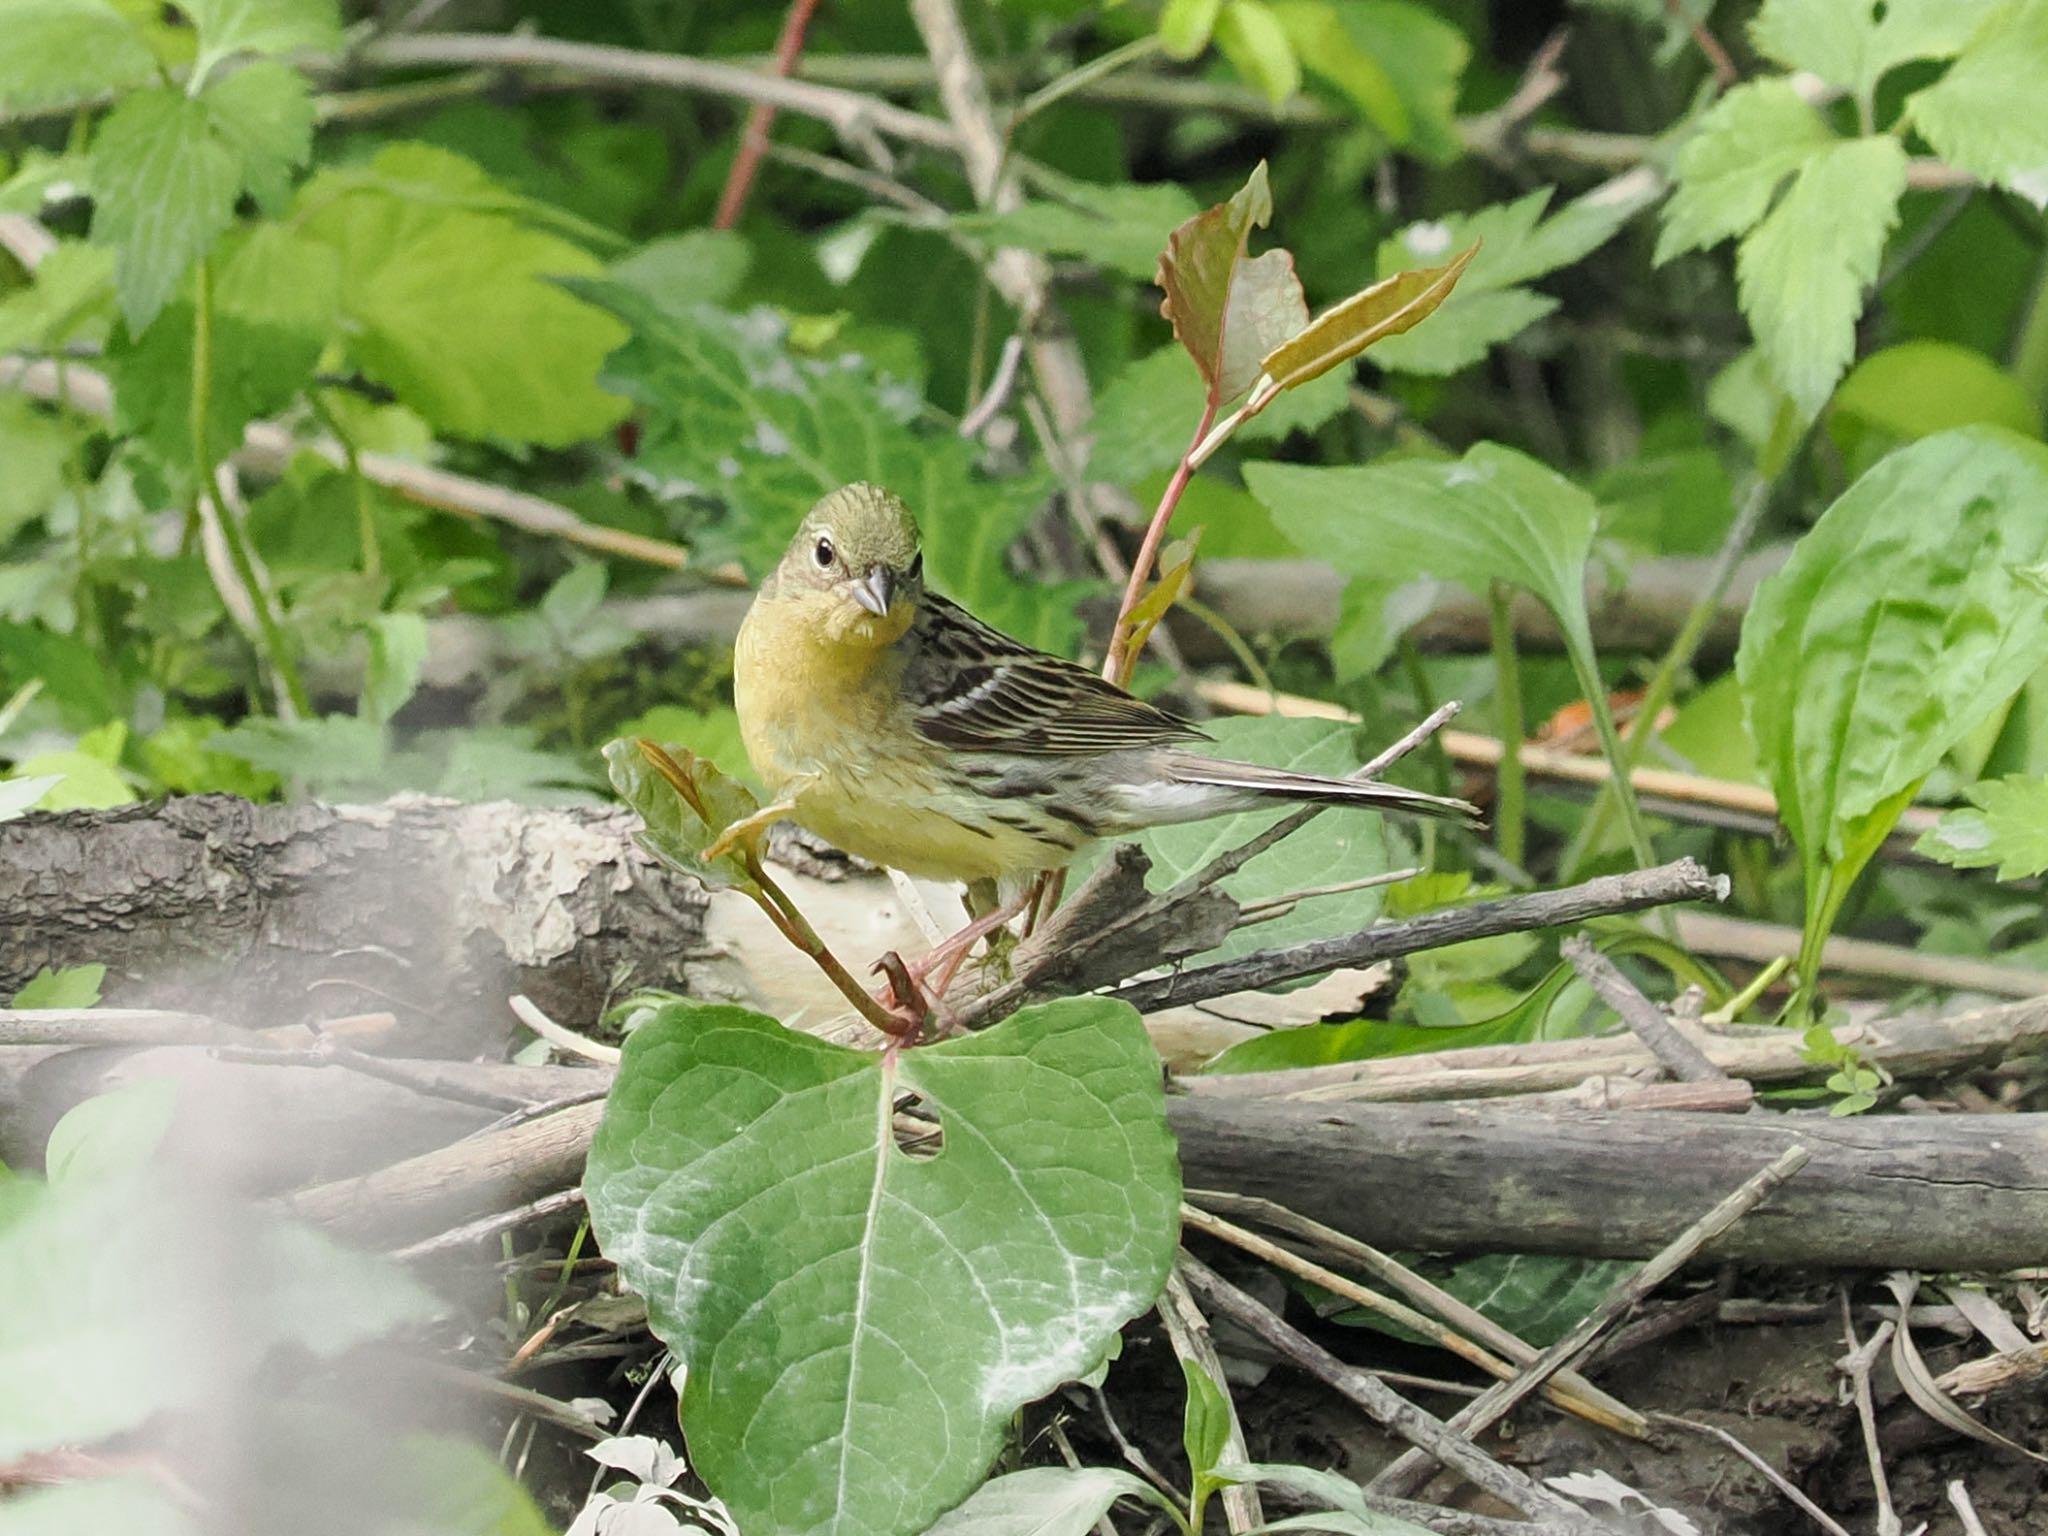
x=1539 y=1298
x=1327 y=49
x=35 y=445
x=1421 y=54
x=732 y=413
x=62 y=51
x=1045 y=1501
x=2006 y=824
x=1185 y=25
x=1251 y=37
x=70 y=986
x=1736 y=157
x=1918 y=29
x=1493 y=515
x=684 y=803
x=257 y=370
x=86 y=781
x=1920 y=387
x=1145 y=417
x=262 y=26
x=1984 y=116
x=450 y=299
x=699 y=266
x=1227 y=309
x=1488 y=305
x=859 y=1324
x=1343 y=844
x=398 y=650
x=71 y=300
x=164 y=185
x=1899 y=622
x=1802 y=272
x=1122 y=227
x=110 y=1135
x=1389 y=307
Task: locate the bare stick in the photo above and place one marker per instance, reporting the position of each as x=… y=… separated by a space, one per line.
x=1349 y=1250
x=1407 y=1317
x=1683 y=1059
x=484 y=1228
x=1188 y=1331
x=1386 y=1406
x=1959 y=1501
x=1771 y=1474
x=1232 y=860
x=1682 y=880
x=115 y=1026
x=1856 y=1366
x=1408 y=1473
x=560 y=1036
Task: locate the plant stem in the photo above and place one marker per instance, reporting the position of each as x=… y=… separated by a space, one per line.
x=789 y=920
x=273 y=651
x=1509 y=809
x=1086 y=75
x=1579 y=649
x=1664 y=681
x=366 y=512
x=1121 y=659
x=746 y=163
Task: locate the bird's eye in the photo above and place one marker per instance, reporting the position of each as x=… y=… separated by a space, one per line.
x=917 y=566
x=823 y=553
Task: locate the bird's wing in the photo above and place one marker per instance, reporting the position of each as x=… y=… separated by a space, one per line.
x=974 y=689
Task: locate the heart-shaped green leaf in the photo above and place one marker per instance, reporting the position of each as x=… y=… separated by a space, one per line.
x=859 y=1323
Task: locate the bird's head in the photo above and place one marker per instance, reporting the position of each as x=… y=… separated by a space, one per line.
x=857 y=559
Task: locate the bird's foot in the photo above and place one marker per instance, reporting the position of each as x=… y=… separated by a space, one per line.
x=903 y=996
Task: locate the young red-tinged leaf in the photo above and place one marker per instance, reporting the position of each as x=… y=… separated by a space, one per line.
x=1387 y=308
x=1228 y=311
x=684 y=802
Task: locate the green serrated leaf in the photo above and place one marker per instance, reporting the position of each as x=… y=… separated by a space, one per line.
x=228 y=27
x=1734 y=161
x=61 y=51
x=71 y=986
x=1802 y=272
x=452 y=300
x=1489 y=305
x=35 y=446
x=1122 y=227
x=336 y=757
x=730 y=411
x=265 y=113
x=164 y=186
x=1984 y=116
x=2006 y=825
x=1897 y=625
x=858 y=1324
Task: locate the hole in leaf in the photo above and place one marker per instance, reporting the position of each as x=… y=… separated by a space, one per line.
x=919 y=1135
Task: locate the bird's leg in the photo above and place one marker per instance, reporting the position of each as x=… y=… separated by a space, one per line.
x=945 y=957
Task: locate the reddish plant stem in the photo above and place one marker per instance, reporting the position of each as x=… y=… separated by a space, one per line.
x=1117 y=666
x=739 y=181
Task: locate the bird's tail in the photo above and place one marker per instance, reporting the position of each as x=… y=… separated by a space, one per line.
x=1255 y=783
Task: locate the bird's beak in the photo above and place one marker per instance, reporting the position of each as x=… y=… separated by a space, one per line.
x=876 y=590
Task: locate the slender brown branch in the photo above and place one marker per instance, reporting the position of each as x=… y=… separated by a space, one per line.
x=1681 y=1057
x=1385 y=1405
x=1682 y=880
x=739 y=181
x=1405 y=1475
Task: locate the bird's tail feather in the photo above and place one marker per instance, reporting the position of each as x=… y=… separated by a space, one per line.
x=1282 y=784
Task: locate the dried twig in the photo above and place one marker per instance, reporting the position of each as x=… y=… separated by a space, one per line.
x=1188 y=1331
x=1386 y=1406
x=1346 y=1249
x=485 y=1228
x=1406 y=1474
x=1681 y=1057
x=1682 y=880
x=1855 y=1365
x=1959 y=1501
x=1407 y=1317
x=560 y=1036
x=1771 y=1474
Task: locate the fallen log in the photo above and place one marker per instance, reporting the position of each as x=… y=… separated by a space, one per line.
x=1949 y=1192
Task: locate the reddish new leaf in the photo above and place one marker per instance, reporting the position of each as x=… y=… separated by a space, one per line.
x=1228 y=311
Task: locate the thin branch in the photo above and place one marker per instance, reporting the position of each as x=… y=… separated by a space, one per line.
x=1856 y=1366
x=484 y=1228
x=1683 y=1059
x=1771 y=1474
x=1407 y=1473
x=1682 y=880
x=739 y=181
x=1386 y=1406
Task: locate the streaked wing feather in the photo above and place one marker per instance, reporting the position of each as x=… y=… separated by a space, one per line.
x=974 y=689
